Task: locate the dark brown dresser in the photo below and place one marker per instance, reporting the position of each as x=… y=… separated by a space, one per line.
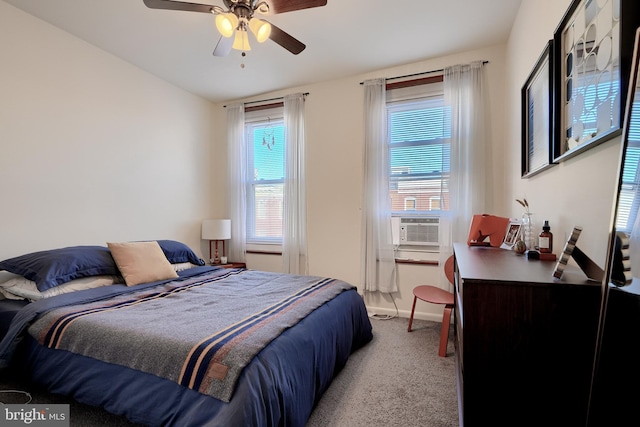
x=525 y=342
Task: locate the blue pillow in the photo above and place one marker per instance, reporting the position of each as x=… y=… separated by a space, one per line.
x=54 y=267
x=177 y=252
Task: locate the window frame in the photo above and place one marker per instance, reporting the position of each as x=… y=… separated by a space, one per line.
x=256 y=117
x=416 y=91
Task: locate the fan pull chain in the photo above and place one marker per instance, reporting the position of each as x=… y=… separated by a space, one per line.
x=242 y=63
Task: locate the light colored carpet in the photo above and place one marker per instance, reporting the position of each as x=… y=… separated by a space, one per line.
x=397 y=379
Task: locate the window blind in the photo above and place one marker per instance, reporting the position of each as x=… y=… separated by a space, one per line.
x=419 y=132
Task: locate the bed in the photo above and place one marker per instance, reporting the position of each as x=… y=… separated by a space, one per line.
x=194 y=345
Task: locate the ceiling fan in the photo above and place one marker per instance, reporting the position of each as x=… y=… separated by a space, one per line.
x=235 y=23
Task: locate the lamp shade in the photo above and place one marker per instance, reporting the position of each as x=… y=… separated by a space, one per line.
x=226 y=23
x=261 y=29
x=216 y=229
x=241 y=41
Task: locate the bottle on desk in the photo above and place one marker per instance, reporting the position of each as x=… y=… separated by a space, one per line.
x=545 y=240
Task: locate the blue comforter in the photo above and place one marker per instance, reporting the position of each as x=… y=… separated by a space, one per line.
x=279 y=386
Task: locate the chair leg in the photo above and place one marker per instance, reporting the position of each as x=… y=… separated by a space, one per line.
x=444 y=332
x=412 y=310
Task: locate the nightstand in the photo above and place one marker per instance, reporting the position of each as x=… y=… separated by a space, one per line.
x=232 y=265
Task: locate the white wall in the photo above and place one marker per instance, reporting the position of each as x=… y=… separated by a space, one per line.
x=335 y=147
x=91 y=148
x=579 y=191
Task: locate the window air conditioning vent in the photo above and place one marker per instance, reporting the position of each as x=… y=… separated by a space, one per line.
x=419 y=231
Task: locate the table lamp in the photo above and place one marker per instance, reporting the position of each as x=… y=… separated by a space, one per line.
x=216 y=230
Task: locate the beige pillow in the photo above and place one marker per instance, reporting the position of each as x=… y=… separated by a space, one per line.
x=141 y=262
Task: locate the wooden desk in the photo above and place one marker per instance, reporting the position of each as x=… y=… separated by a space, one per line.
x=525 y=343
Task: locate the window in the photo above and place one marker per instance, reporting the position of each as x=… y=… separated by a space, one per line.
x=265 y=187
x=419 y=131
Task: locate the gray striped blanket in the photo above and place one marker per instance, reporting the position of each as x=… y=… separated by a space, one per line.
x=199 y=332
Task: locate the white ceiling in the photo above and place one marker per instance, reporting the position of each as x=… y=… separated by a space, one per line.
x=343 y=38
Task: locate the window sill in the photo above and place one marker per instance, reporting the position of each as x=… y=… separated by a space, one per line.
x=417 y=261
x=264 y=249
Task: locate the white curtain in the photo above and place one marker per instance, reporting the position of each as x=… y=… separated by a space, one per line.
x=236 y=179
x=470 y=180
x=378 y=256
x=294 y=235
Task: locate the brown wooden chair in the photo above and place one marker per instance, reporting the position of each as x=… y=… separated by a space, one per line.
x=436 y=295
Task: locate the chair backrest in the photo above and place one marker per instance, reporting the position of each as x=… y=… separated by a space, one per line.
x=448 y=269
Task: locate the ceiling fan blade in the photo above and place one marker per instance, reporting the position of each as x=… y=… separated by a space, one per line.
x=286 y=40
x=223 y=47
x=178 y=5
x=282 y=6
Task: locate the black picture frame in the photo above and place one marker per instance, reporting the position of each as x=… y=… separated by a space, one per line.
x=582 y=64
x=537 y=115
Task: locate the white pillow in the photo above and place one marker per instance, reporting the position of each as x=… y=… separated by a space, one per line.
x=20 y=288
x=183 y=266
x=8 y=295
x=5 y=277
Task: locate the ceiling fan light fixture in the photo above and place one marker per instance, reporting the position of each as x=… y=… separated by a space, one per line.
x=226 y=23
x=261 y=29
x=262 y=7
x=241 y=42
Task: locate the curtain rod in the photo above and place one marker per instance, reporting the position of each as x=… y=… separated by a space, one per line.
x=418 y=74
x=279 y=98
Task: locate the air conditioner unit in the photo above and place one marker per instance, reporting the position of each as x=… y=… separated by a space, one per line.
x=419 y=231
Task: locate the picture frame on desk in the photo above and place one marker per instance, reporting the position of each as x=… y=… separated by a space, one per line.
x=512 y=234
x=567 y=252
x=586 y=264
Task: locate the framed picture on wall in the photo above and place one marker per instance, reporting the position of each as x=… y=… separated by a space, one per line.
x=593 y=55
x=537 y=115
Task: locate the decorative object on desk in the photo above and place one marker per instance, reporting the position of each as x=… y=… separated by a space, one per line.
x=537 y=255
x=537 y=116
x=566 y=252
x=533 y=254
x=547 y=257
x=216 y=230
x=527 y=224
x=483 y=227
x=512 y=235
x=545 y=240
x=520 y=247
x=590 y=268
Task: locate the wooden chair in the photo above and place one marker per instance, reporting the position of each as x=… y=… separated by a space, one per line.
x=436 y=295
